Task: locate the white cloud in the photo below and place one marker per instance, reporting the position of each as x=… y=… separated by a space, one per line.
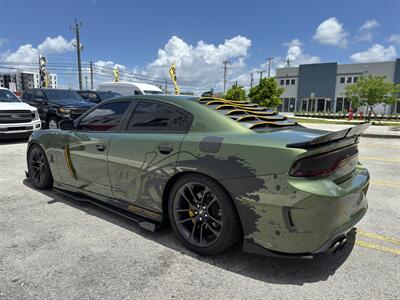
x=370 y=24
x=56 y=45
x=331 y=32
x=200 y=63
x=394 y=38
x=375 y=53
x=27 y=53
x=296 y=56
x=367 y=31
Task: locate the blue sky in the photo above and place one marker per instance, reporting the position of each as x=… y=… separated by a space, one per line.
x=130 y=33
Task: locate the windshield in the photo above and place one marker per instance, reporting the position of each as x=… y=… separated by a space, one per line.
x=152 y=92
x=7 y=96
x=62 y=95
x=108 y=95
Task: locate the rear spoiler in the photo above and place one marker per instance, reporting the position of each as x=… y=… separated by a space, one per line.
x=348 y=133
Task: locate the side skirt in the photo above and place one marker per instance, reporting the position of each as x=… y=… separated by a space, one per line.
x=122 y=209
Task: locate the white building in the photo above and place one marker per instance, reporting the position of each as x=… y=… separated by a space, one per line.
x=25 y=80
x=321 y=87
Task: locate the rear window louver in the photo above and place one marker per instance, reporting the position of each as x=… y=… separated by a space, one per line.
x=249 y=114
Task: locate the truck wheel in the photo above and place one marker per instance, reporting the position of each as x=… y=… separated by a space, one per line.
x=52 y=123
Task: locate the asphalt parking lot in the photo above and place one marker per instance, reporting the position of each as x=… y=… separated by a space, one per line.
x=53 y=247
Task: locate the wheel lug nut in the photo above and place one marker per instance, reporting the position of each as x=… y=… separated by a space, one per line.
x=204 y=207
x=206 y=216
x=201 y=219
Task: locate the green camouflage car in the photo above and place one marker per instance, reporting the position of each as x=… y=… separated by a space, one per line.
x=219 y=171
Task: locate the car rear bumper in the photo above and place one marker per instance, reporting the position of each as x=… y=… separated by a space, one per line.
x=300 y=217
x=19 y=129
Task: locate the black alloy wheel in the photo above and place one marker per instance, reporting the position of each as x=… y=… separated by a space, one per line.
x=39 y=169
x=203 y=215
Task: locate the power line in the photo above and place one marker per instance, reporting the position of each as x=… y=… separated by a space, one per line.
x=260 y=72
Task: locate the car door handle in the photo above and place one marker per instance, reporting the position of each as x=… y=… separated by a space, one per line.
x=101 y=147
x=165 y=149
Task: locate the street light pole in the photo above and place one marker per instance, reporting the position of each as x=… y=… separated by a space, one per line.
x=226 y=62
x=269 y=59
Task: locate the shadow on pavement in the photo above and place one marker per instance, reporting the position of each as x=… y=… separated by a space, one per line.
x=13 y=141
x=262 y=268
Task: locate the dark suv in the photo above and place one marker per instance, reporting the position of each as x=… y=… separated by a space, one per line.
x=55 y=105
x=97 y=96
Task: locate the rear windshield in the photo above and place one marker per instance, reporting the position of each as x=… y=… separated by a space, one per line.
x=7 y=96
x=62 y=95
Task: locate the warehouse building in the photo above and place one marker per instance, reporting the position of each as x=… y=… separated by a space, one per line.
x=321 y=87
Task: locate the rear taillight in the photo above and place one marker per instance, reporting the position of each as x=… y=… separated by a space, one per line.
x=322 y=164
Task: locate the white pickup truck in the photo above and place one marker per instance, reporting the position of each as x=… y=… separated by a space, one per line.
x=17 y=119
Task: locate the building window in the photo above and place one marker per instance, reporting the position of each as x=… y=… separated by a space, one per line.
x=287 y=81
x=342 y=79
x=348 y=80
x=282 y=82
x=293 y=82
x=355 y=79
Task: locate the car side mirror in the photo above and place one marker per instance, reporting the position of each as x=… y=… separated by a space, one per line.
x=66 y=124
x=39 y=100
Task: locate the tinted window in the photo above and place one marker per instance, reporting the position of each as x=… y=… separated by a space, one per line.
x=152 y=116
x=293 y=81
x=62 y=95
x=287 y=82
x=342 y=79
x=105 y=118
x=39 y=95
x=7 y=96
x=27 y=96
x=282 y=82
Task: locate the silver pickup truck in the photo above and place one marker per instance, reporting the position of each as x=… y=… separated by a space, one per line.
x=17 y=119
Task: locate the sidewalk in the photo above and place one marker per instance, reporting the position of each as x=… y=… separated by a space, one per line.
x=372 y=131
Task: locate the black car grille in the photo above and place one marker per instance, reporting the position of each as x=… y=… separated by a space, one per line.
x=16 y=116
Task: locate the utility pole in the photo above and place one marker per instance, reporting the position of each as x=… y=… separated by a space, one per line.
x=269 y=59
x=251 y=80
x=76 y=28
x=260 y=72
x=165 y=86
x=91 y=75
x=226 y=62
x=86 y=80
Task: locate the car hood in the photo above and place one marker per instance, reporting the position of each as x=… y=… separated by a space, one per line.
x=73 y=103
x=15 y=106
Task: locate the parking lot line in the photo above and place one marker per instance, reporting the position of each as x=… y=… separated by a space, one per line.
x=377 y=247
x=378 y=237
x=386 y=183
x=380 y=159
x=380 y=146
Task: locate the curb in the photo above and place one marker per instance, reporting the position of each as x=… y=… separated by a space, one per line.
x=381 y=136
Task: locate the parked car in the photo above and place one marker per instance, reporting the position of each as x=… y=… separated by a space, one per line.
x=97 y=96
x=55 y=105
x=246 y=174
x=17 y=119
x=126 y=88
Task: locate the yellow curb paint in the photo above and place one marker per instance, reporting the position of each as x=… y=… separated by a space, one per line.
x=378 y=237
x=385 y=183
x=377 y=247
x=379 y=159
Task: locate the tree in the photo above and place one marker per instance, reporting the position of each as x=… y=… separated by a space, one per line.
x=266 y=93
x=371 y=91
x=236 y=92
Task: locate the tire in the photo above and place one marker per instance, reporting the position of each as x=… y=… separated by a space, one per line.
x=52 y=123
x=39 y=169
x=205 y=220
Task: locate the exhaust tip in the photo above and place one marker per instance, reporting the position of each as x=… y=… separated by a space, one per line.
x=337 y=245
